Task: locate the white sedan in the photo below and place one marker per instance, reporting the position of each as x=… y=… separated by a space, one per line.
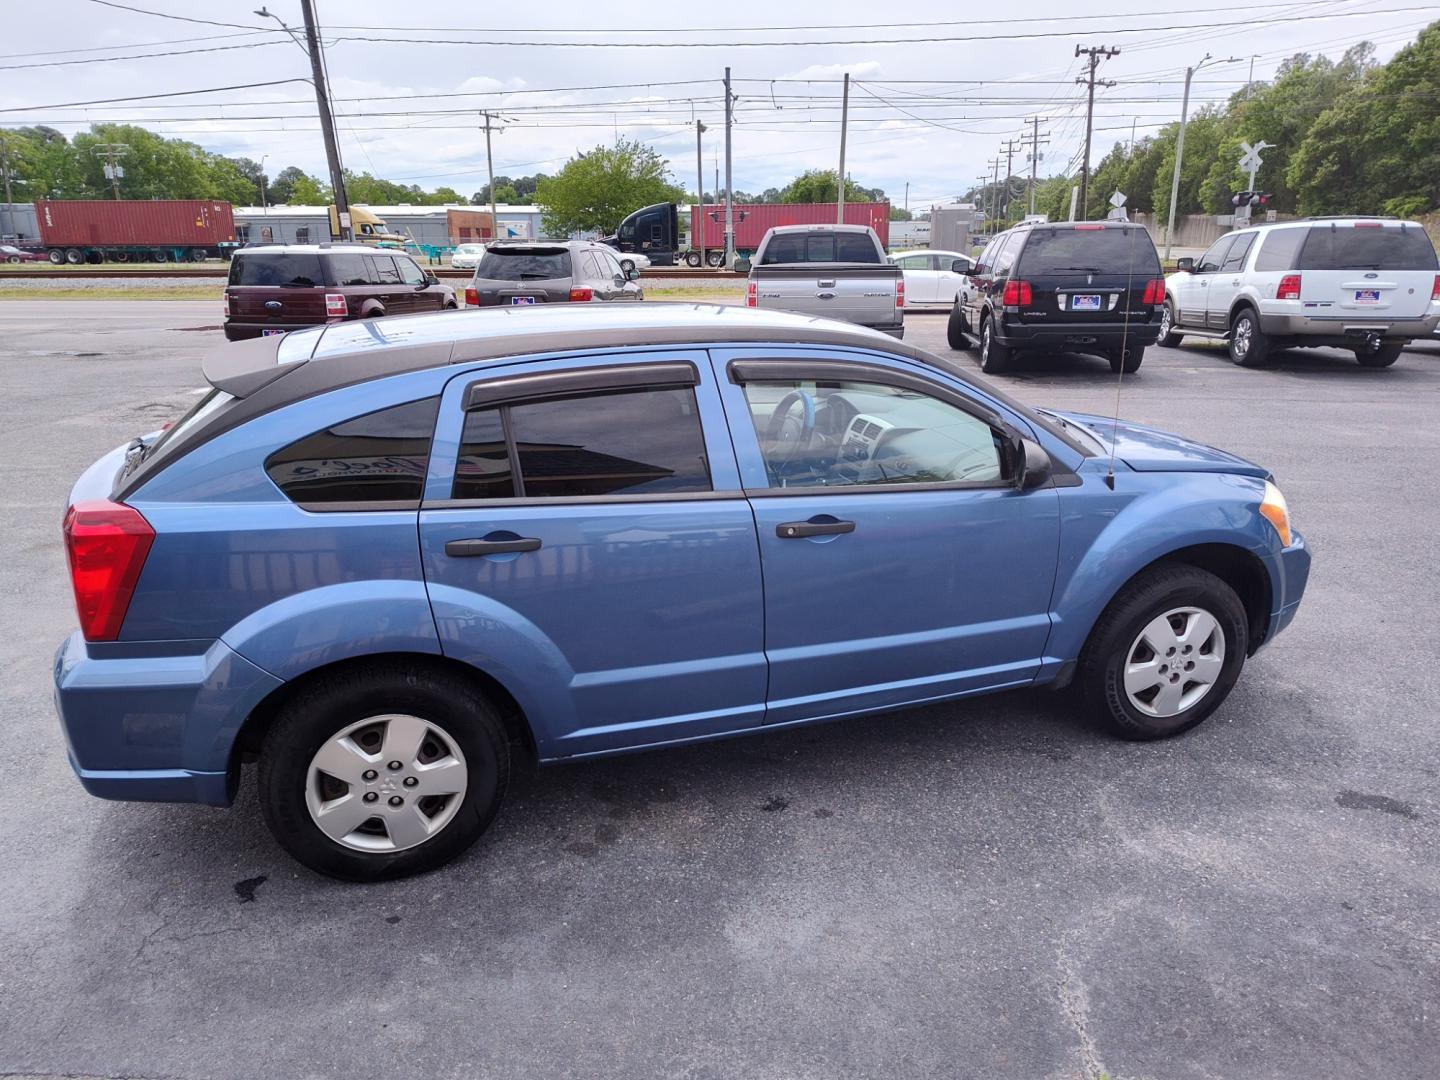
x=633 y=260
x=932 y=277
x=466 y=256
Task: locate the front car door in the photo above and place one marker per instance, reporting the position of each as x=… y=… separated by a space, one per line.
x=422 y=297
x=585 y=540
x=948 y=280
x=1225 y=282
x=1191 y=292
x=900 y=562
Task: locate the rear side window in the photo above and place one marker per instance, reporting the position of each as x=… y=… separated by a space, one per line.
x=1279 y=249
x=1103 y=250
x=1367 y=247
x=379 y=458
x=349 y=270
x=280 y=269
x=524 y=264
x=632 y=442
x=1235 y=257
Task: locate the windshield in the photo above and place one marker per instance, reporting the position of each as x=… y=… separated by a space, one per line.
x=1367 y=247
x=298 y=268
x=524 y=264
x=1090 y=251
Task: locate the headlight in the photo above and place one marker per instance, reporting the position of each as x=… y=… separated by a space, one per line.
x=1274 y=510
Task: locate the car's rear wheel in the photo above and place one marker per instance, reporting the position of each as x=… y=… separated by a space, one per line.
x=627 y=265
x=715 y=259
x=1127 y=359
x=1381 y=357
x=74 y=256
x=383 y=772
x=957 y=328
x=1169 y=336
x=1165 y=653
x=1248 y=346
x=994 y=357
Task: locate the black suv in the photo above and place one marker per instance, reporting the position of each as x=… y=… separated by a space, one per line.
x=1069 y=287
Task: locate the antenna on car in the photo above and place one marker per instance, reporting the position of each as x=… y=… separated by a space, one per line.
x=1124 y=339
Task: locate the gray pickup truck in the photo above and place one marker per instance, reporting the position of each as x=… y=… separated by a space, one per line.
x=838 y=271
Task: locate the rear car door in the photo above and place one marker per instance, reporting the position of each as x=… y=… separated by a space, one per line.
x=1367 y=270
x=920 y=278
x=1225 y=283
x=585 y=540
x=900 y=562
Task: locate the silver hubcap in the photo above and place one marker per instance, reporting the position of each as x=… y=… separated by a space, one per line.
x=1164 y=321
x=985 y=343
x=1174 y=661
x=1242 y=337
x=387 y=783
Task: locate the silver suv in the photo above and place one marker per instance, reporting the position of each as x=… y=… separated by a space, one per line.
x=1360 y=283
x=550 y=272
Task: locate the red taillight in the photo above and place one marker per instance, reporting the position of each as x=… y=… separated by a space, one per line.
x=752 y=298
x=1368 y=225
x=1089 y=228
x=900 y=293
x=472 y=298
x=1435 y=289
x=1154 y=291
x=335 y=305
x=581 y=295
x=1017 y=294
x=1289 y=288
x=226 y=297
x=106 y=544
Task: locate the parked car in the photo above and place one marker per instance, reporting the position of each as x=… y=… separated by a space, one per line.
x=519 y=274
x=287 y=287
x=389 y=561
x=632 y=260
x=1070 y=287
x=834 y=271
x=1365 y=284
x=933 y=277
x=9 y=253
x=466 y=256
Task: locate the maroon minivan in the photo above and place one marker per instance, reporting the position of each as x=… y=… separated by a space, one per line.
x=275 y=288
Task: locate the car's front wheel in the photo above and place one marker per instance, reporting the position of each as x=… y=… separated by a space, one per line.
x=383 y=772
x=1164 y=654
x=957 y=328
x=628 y=265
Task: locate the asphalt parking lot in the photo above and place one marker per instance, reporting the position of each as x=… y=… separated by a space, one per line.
x=986 y=888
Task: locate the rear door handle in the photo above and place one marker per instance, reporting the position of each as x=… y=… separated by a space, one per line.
x=798 y=530
x=461 y=549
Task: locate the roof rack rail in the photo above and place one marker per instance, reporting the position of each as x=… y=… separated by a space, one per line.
x=1342 y=217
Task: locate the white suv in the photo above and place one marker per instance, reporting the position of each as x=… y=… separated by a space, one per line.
x=1365 y=284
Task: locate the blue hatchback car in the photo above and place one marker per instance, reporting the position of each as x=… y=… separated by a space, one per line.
x=388 y=561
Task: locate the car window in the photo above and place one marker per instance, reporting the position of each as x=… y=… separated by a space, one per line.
x=986 y=262
x=1367 y=247
x=867 y=433
x=609 y=265
x=524 y=264
x=382 y=270
x=821 y=247
x=409 y=272
x=348 y=270
x=1279 y=249
x=1005 y=257
x=646 y=441
x=300 y=268
x=1092 y=250
x=1235 y=257
x=915 y=262
x=1212 y=259
x=376 y=458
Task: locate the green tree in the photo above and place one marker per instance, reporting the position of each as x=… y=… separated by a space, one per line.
x=899 y=213
x=307 y=191
x=595 y=190
x=819 y=186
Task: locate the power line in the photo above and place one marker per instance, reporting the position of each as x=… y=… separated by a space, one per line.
x=140 y=56
x=177 y=18
x=147 y=97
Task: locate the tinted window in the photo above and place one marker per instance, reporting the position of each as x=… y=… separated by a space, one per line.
x=987 y=257
x=524 y=264
x=1211 y=260
x=589 y=267
x=349 y=270
x=1120 y=251
x=636 y=442
x=409 y=272
x=378 y=457
x=1279 y=249
x=821 y=247
x=1347 y=247
x=1005 y=255
x=278 y=269
x=875 y=434
x=1239 y=248
x=382 y=269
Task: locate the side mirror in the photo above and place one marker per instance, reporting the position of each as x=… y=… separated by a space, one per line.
x=631 y=273
x=1035 y=466
x=1186 y=265
x=960 y=266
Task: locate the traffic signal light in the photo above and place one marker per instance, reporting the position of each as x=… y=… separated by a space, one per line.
x=1242 y=198
x=1261 y=198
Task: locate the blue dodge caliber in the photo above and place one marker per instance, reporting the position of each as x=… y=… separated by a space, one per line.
x=389 y=561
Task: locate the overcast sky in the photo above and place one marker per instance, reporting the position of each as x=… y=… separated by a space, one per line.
x=901 y=130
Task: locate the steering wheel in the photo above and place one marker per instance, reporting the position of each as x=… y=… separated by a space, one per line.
x=787 y=435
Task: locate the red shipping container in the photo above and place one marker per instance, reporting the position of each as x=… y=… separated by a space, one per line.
x=134 y=222
x=753 y=220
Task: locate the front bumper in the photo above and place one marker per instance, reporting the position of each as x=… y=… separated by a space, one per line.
x=1078 y=337
x=155 y=721
x=1289 y=572
x=1350 y=329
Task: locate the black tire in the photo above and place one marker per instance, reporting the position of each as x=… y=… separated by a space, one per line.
x=1129 y=359
x=159 y=256
x=1381 y=357
x=627 y=265
x=1248 y=346
x=74 y=256
x=198 y=255
x=994 y=357
x=1100 y=677
x=330 y=704
x=57 y=257
x=692 y=259
x=13 y=260
x=715 y=259
x=1169 y=337
x=957 y=329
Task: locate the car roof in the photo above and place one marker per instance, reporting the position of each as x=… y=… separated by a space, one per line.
x=310 y=249
x=820 y=228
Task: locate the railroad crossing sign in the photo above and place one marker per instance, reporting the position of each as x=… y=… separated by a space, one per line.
x=1117 y=203
x=1251 y=161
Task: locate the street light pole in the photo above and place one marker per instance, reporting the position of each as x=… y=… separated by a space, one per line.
x=840 y=176
x=698 y=223
x=729 y=192
x=1180 y=148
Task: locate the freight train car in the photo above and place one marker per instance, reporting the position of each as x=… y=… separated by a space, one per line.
x=134 y=230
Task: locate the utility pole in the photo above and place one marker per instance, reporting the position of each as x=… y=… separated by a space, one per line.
x=490 y=169
x=698 y=224
x=1009 y=151
x=1035 y=144
x=5 y=172
x=112 y=152
x=1096 y=54
x=729 y=200
x=984 y=199
x=840 y=175
x=327 y=121
x=907 y=196
x=995 y=193
x=1180 y=149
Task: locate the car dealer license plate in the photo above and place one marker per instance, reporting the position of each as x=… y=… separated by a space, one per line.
x=270 y=333
x=522 y=299
x=1367 y=296
x=1085 y=302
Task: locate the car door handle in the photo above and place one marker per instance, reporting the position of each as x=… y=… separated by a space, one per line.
x=798 y=530
x=462 y=549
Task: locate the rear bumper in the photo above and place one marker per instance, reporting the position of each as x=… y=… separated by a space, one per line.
x=1077 y=336
x=1346 y=329
x=156 y=728
x=241 y=331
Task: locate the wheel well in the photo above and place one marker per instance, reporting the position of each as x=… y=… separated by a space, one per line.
x=517 y=727
x=1240 y=305
x=1239 y=569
